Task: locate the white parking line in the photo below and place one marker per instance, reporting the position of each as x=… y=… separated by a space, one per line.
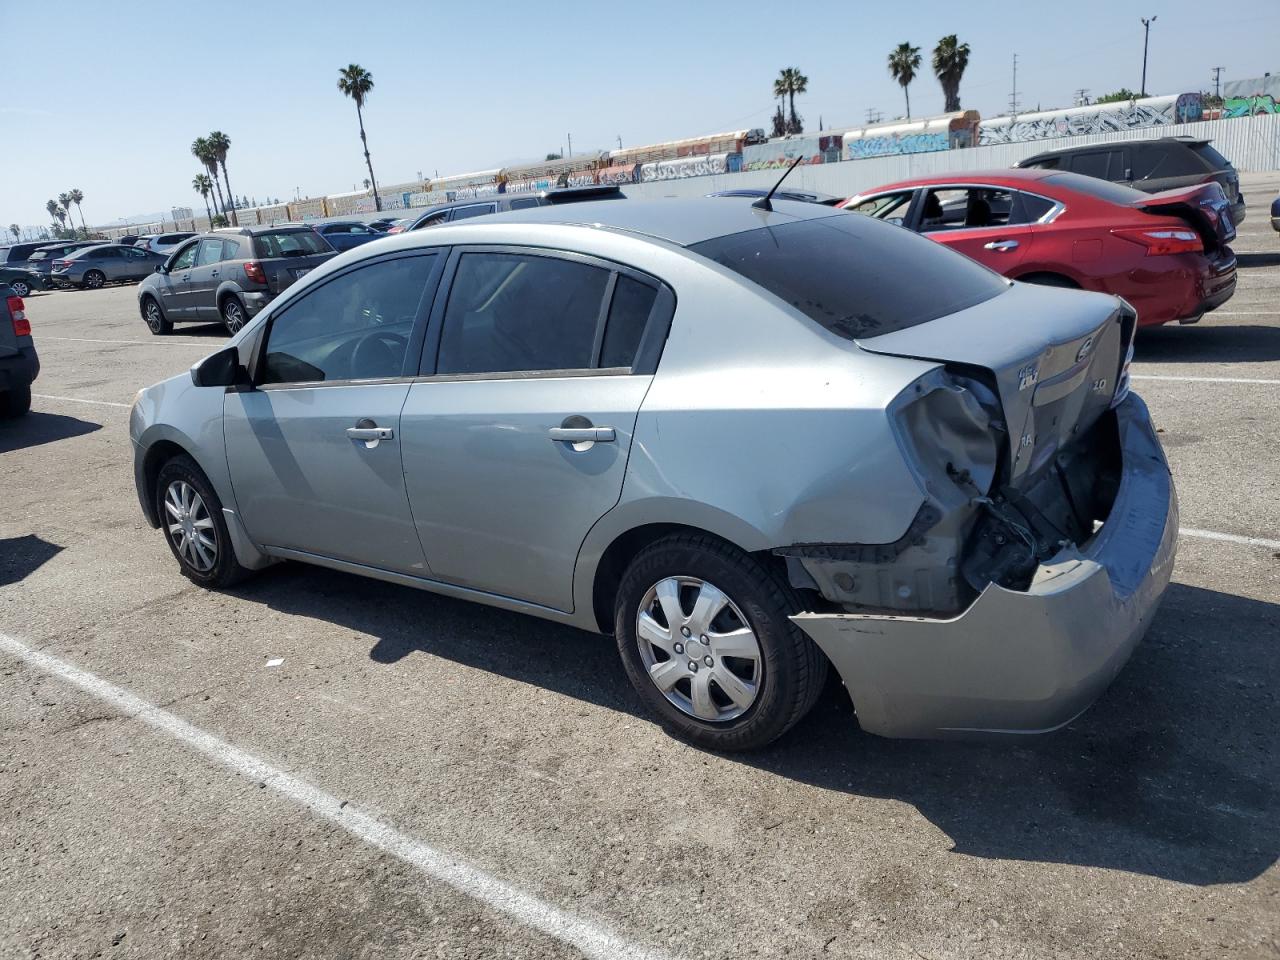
x=591 y=939
x=1229 y=538
x=142 y=343
x=101 y=403
x=1152 y=376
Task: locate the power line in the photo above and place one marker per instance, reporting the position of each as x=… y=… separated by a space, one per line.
x=1082 y=97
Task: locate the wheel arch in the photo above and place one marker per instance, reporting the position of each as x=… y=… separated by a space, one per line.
x=227 y=290
x=1054 y=276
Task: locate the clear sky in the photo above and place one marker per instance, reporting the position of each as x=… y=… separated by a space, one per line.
x=107 y=97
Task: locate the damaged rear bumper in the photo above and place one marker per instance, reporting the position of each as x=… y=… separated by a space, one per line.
x=1021 y=662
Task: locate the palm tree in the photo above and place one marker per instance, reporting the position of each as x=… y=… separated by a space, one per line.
x=65 y=200
x=356 y=82
x=903 y=64
x=16 y=231
x=76 y=196
x=202 y=185
x=219 y=144
x=780 y=115
x=57 y=213
x=950 y=57
x=201 y=151
x=794 y=82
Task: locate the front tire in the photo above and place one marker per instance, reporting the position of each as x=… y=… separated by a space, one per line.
x=20 y=287
x=94 y=279
x=155 y=318
x=233 y=315
x=734 y=673
x=191 y=517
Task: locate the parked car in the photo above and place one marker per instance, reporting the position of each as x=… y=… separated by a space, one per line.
x=94 y=267
x=1152 y=166
x=383 y=224
x=503 y=202
x=401 y=225
x=41 y=260
x=228 y=275
x=1275 y=213
x=21 y=280
x=803 y=196
x=19 y=364
x=17 y=254
x=128 y=240
x=165 y=243
x=732 y=438
x=345 y=234
x=1166 y=254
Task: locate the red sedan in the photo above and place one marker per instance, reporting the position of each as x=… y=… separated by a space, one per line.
x=1165 y=253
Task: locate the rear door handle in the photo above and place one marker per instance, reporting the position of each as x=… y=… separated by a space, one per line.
x=1001 y=245
x=582 y=434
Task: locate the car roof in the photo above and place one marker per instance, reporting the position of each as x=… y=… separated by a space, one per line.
x=1089 y=147
x=1004 y=176
x=684 y=221
x=255 y=230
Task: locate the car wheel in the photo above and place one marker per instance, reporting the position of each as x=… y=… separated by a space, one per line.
x=94 y=279
x=191 y=517
x=155 y=318
x=15 y=401
x=20 y=287
x=704 y=635
x=233 y=314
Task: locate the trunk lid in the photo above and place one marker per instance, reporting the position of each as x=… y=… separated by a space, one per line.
x=1053 y=356
x=283 y=272
x=1205 y=207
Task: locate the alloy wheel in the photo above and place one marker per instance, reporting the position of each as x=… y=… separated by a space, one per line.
x=155 y=319
x=190 y=527
x=698 y=649
x=93 y=279
x=233 y=315
x=21 y=288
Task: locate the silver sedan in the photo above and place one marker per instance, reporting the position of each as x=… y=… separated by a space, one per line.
x=94 y=267
x=751 y=444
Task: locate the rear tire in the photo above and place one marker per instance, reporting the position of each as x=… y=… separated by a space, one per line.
x=15 y=401
x=191 y=518
x=155 y=317
x=95 y=279
x=20 y=287
x=233 y=315
x=708 y=696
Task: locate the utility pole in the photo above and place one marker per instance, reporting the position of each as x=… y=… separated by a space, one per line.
x=569 y=136
x=1146 y=36
x=1217 y=81
x=1082 y=97
x=1014 y=103
x=619 y=141
x=874 y=115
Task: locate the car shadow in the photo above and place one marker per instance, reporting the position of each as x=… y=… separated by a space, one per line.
x=1207 y=343
x=1173 y=774
x=35 y=428
x=22 y=556
x=1245 y=261
x=200 y=330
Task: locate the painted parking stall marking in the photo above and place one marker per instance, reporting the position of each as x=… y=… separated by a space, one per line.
x=590 y=938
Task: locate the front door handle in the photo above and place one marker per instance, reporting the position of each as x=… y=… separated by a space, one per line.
x=214 y=274
x=369 y=433
x=582 y=434
x=1001 y=245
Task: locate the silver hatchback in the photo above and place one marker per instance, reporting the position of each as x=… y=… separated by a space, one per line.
x=94 y=267
x=750 y=444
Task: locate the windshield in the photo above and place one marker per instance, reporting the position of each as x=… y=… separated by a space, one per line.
x=855 y=276
x=289 y=243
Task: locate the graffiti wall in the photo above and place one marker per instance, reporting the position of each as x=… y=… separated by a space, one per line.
x=894 y=143
x=782 y=152
x=697 y=166
x=949 y=131
x=1094 y=118
x=1247 y=98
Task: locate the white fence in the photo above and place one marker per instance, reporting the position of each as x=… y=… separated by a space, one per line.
x=1250 y=143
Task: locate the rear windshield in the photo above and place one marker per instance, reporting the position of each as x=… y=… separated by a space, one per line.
x=1211 y=156
x=853 y=275
x=289 y=243
x=1102 y=189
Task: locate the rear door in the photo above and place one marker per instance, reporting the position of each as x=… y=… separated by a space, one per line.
x=314 y=449
x=205 y=278
x=1110 y=163
x=175 y=283
x=135 y=264
x=987 y=223
x=516 y=441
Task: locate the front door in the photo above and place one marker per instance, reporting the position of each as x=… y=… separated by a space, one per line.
x=518 y=443
x=314 y=449
x=175 y=284
x=984 y=223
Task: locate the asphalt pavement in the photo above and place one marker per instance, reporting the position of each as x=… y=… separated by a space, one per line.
x=318 y=765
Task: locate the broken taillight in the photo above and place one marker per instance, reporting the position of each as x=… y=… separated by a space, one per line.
x=1162 y=241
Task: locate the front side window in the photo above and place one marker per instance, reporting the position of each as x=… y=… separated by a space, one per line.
x=289 y=243
x=845 y=273
x=355 y=327
x=186 y=258
x=1105 y=164
x=514 y=312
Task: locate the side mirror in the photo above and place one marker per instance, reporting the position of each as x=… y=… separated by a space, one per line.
x=222 y=369
x=159 y=268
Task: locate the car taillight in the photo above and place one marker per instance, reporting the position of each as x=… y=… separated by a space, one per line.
x=253 y=270
x=18 y=309
x=1161 y=241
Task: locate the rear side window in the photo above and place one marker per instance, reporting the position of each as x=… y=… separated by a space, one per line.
x=230 y=249
x=524 y=203
x=846 y=273
x=628 y=315
x=1211 y=156
x=210 y=252
x=289 y=243
x=1101 y=189
x=1044 y=163
x=1156 y=161
x=1104 y=164
x=475 y=210
x=512 y=313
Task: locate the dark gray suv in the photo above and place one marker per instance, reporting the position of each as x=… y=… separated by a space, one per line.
x=1152 y=166
x=228 y=275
